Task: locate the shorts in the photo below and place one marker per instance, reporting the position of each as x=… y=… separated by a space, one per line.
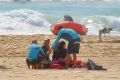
x=74 y=46
x=32 y=61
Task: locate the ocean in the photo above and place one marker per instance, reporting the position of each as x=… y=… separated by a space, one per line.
x=28 y=18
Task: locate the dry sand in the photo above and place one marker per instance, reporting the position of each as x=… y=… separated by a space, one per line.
x=13 y=51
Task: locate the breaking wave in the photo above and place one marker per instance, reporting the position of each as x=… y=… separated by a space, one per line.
x=23 y=22
x=95 y=23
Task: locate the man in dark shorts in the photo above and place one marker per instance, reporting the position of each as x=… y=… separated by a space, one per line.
x=73 y=46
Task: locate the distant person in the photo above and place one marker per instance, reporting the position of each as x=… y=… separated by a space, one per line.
x=73 y=45
x=35 y=55
x=46 y=47
x=68 y=18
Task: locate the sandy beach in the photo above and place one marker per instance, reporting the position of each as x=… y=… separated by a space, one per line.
x=13 y=51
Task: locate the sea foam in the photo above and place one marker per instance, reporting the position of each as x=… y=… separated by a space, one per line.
x=96 y=23
x=23 y=22
x=29 y=22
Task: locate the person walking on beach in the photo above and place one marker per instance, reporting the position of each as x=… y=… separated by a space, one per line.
x=73 y=46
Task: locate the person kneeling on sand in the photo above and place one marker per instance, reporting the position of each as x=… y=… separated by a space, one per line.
x=59 y=57
x=59 y=53
x=35 y=55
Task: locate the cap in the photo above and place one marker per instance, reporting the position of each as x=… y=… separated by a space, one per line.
x=34 y=41
x=68 y=18
x=46 y=38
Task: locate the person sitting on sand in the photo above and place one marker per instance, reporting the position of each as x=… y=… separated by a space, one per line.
x=46 y=47
x=35 y=55
x=73 y=45
x=59 y=54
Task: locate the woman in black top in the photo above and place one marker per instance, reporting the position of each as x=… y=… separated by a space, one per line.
x=60 y=52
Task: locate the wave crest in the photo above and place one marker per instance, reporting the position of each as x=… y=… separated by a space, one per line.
x=23 y=21
x=95 y=23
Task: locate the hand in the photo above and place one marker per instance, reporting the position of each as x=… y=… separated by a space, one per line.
x=51 y=50
x=48 y=52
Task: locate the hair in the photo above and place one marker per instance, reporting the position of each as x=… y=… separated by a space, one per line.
x=34 y=41
x=60 y=45
x=44 y=43
x=68 y=18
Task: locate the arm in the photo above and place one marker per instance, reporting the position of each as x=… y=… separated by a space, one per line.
x=43 y=53
x=57 y=39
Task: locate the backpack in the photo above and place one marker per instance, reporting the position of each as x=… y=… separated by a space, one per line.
x=92 y=66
